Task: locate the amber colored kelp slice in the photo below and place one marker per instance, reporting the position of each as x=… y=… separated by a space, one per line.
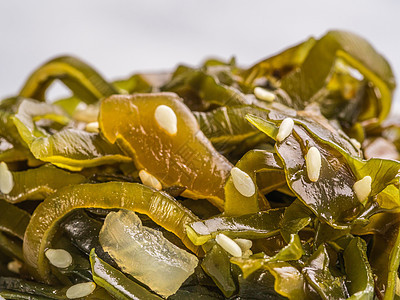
x=186 y=158
x=159 y=206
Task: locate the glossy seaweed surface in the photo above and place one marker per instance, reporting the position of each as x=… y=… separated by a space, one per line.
x=275 y=181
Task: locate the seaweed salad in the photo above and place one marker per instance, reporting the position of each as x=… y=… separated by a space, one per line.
x=277 y=181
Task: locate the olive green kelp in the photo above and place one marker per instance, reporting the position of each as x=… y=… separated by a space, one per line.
x=276 y=181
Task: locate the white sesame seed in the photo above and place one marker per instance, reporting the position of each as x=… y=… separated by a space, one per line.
x=229 y=245
x=14 y=266
x=264 y=94
x=285 y=129
x=247 y=253
x=6 y=179
x=80 y=290
x=92 y=127
x=356 y=143
x=362 y=188
x=243 y=182
x=201 y=228
x=313 y=163
x=166 y=119
x=59 y=258
x=244 y=244
x=149 y=180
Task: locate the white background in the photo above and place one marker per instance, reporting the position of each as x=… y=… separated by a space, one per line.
x=123 y=36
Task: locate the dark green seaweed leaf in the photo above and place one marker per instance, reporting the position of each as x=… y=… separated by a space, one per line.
x=318 y=274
